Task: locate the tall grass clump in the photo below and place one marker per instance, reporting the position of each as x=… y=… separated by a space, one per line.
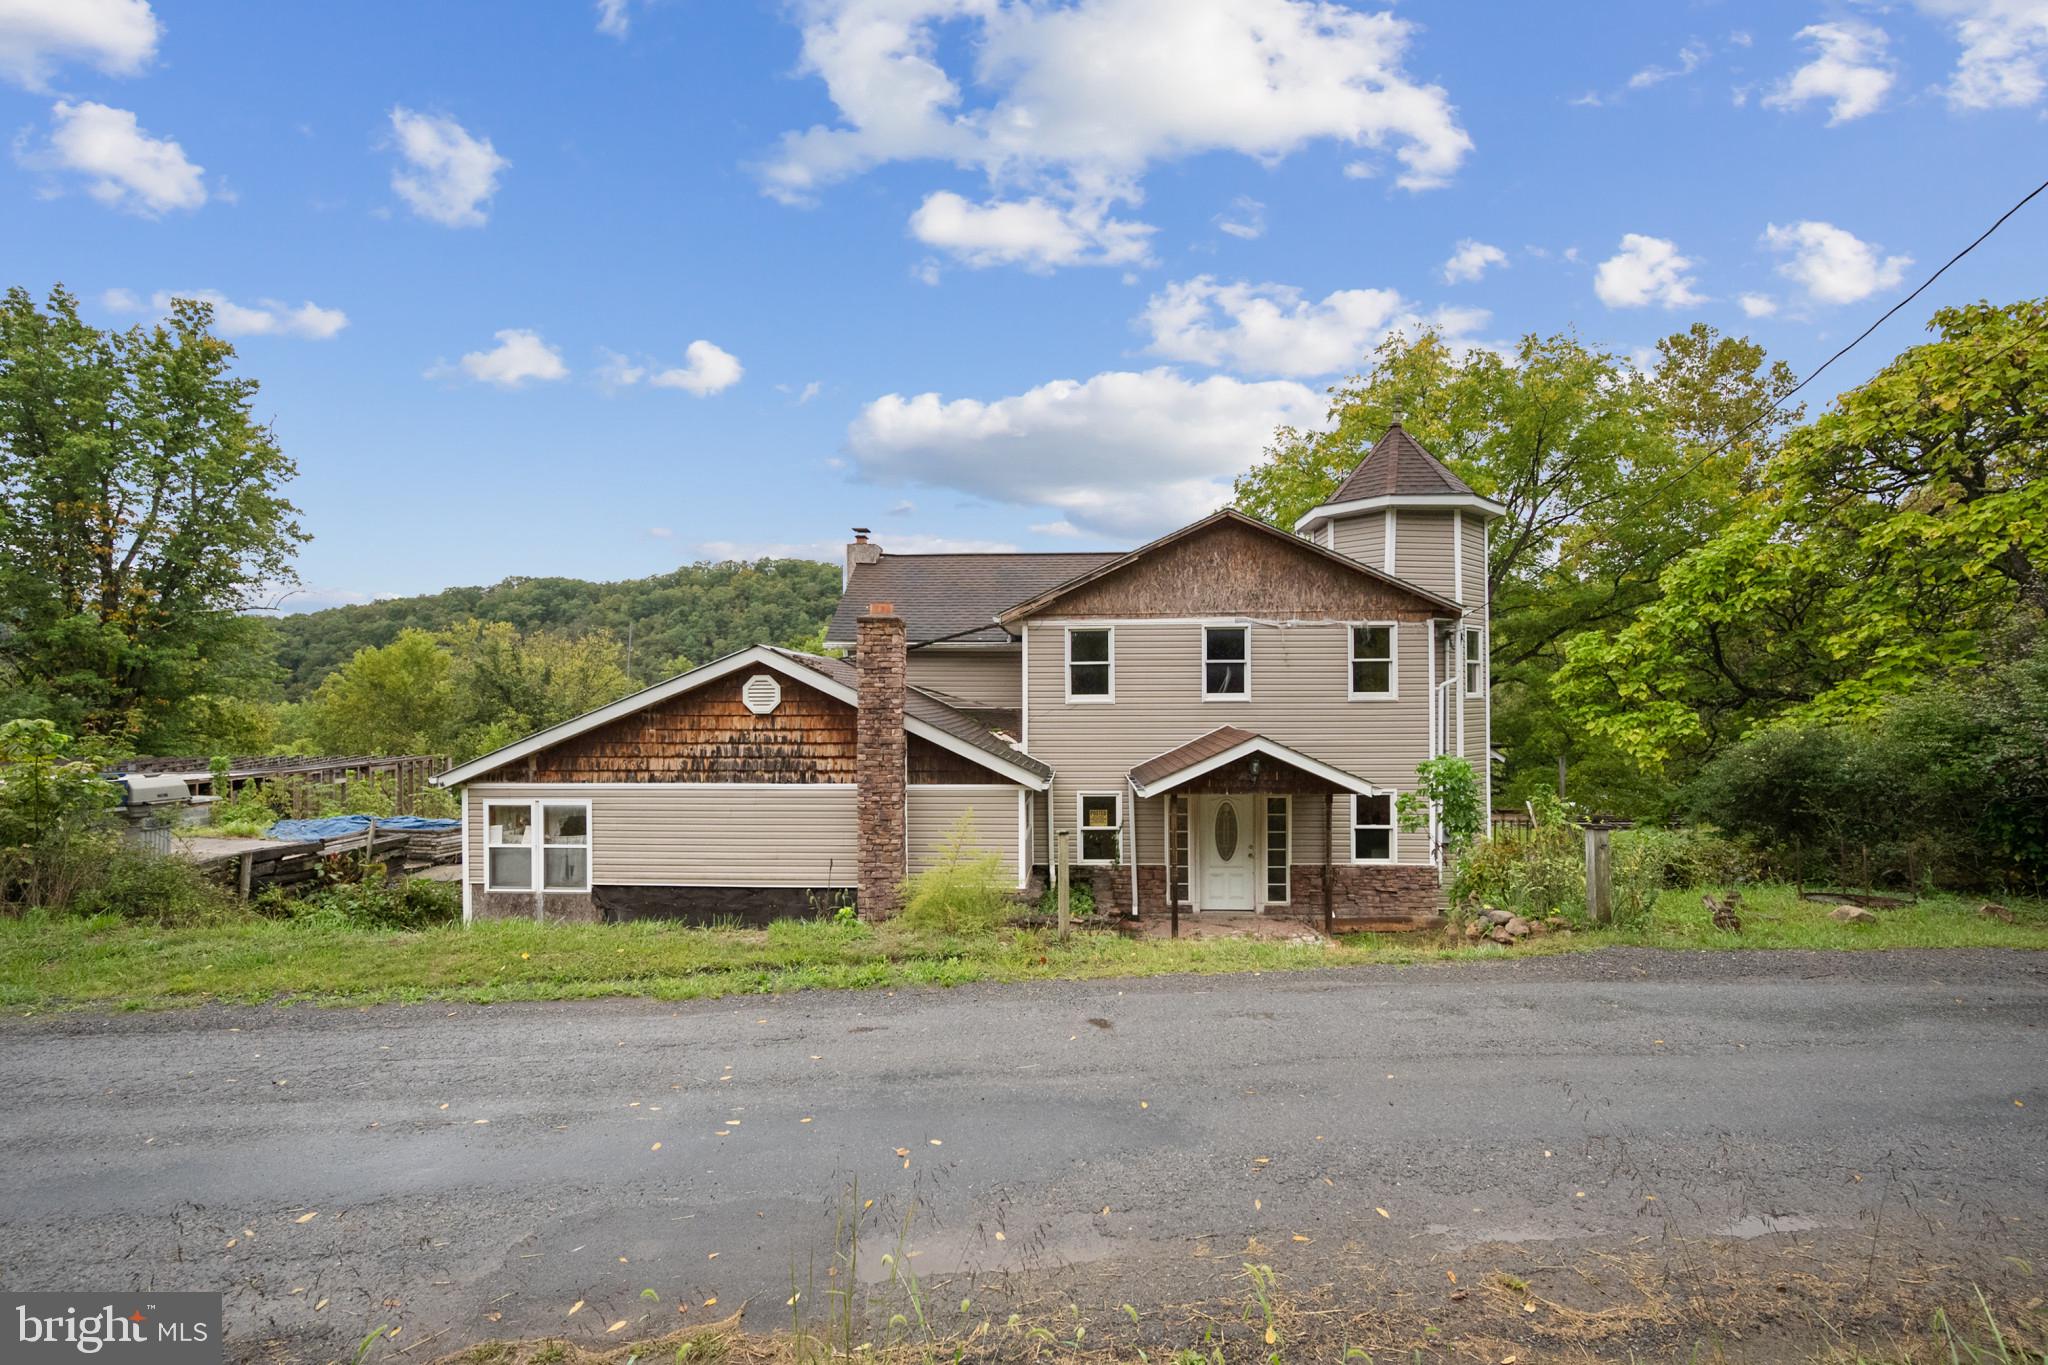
x=966 y=891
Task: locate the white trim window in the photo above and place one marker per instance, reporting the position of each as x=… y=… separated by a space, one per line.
x=1279 y=849
x=1099 y=817
x=1372 y=829
x=1226 y=663
x=1091 y=663
x=1371 y=673
x=1475 y=661
x=555 y=830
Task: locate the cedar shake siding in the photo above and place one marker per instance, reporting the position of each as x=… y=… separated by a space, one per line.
x=1229 y=569
x=706 y=735
x=990 y=676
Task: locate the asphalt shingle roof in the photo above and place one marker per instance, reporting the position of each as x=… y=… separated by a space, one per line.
x=954 y=597
x=1398 y=466
x=928 y=709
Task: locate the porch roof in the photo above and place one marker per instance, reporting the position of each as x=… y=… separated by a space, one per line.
x=1227 y=744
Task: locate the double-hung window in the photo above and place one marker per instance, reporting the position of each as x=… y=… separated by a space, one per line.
x=1475 y=661
x=1101 y=827
x=1091 y=667
x=1226 y=663
x=1372 y=661
x=1372 y=829
x=553 y=834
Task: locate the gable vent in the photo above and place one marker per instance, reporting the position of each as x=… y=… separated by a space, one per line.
x=762 y=693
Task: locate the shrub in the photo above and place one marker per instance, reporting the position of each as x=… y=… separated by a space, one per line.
x=137 y=884
x=1080 y=900
x=54 y=805
x=965 y=891
x=414 y=903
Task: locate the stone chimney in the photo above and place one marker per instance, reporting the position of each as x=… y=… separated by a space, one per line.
x=881 y=761
x=858 y=552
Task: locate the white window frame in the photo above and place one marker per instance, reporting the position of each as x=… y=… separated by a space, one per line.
x=1393 y=834
x=1266 y=851
x=1082 y=827
x=1246 y=631
x=536 y=845
x=1393 y=660
x=1474 y=661
x=1067 y=669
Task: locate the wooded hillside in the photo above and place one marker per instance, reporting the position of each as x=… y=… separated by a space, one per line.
x=689 y=616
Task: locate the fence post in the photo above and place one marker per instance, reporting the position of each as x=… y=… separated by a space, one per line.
x=1599 y=874
x=1059 y=876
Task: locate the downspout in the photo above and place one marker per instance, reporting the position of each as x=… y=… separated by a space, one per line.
x=1132 y=787
x=467 y=912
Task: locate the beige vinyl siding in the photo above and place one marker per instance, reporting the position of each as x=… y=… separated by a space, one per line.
x=1363 y=537
x=1299 y=682
x=991 y=675
x=935 y=810
x=1475 y=561
x=1476 y=606
x=658 y=834
x=1422 y=549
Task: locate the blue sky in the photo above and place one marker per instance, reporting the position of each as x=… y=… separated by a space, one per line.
x=600 y=288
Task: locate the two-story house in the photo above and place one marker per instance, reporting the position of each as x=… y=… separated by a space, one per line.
x=1222 y=720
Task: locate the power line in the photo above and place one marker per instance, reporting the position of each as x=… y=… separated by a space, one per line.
x=1778 y=403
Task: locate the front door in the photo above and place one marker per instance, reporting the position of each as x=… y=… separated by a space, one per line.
x=1229 y=862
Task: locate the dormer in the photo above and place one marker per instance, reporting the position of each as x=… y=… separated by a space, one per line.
x=1407 y=515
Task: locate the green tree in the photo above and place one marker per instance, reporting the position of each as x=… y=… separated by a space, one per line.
x=140 y=512
x=398 y=699
x=509 y=685
x=1569 y=439
x=1886 y=544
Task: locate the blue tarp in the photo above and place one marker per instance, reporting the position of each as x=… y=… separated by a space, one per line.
x=341 y=826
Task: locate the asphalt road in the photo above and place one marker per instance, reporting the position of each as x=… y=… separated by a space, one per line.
x=465 y=1172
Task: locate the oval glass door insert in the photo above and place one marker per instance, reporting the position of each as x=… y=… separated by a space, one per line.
x=1226 y=831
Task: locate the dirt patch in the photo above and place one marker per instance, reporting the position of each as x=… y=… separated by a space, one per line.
x=1773 y=1297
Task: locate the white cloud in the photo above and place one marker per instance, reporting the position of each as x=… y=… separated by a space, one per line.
x=1272 y=329
x=1033 y=233
x=1689 y=59
x=124 y=167
x=1032 y=103
x=661 y=532
x=1247 y=219
x=1062 y=528
x=120 y=301
x=1850 y=69
x=1126 y=454
x=613 y=20
x=449 y=174
x=616 y=371
x=1470 y=261
x=809 y=392
x=1757 y=305
x=116 y=37
x=1832 y=264
x=706 y=369
x=1646 y=270
x=2004 y=48
x=903 y=508
x=267 y=317
x=1261 y=77
x=520 y=355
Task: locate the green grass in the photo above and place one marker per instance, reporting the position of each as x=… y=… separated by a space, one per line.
x=55 y=963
